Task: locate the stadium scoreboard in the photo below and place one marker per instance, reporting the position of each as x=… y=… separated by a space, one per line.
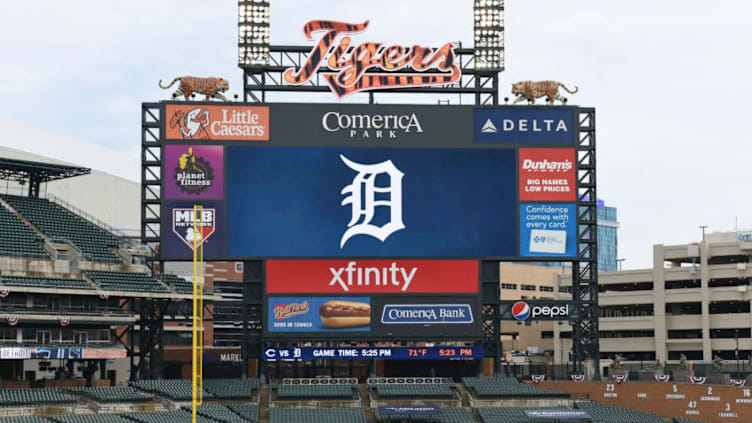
x=370 y=219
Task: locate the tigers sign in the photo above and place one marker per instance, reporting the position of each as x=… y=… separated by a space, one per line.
x=350 y=64
x=205 y=122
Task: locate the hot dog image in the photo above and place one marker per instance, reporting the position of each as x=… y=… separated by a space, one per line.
x=345 y=314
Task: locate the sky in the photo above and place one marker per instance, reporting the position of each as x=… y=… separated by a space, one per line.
x=670 y=82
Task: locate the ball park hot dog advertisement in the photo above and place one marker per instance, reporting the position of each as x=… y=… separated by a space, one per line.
x=371 y=299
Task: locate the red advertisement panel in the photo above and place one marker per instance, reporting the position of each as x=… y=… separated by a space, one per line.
x=207 y=122
x=371 y=276
x=547 y=174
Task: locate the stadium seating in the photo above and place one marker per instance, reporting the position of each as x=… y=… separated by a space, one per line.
x=174 y=389
x=113 y=394
x=231 y=388
x=59 y=223
x=90 y=418
x=17 y=239
x=34 y=396
x=219 y=413
x=27 y=419
x=44 y=282
x=397 y=390
x=177 y=416
x=611 y=414
x=314 y=391
x=180 y=285
x=506 y=388
x=125 y=281
x=316 y=415
x=249 y=412
x=510 y=415
x=683 y=420
x=448 y=415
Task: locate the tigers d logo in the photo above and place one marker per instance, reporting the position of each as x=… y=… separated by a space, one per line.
x=350 y=63
x=194 y=174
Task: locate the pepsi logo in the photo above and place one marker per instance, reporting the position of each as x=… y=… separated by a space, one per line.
x=521 y=310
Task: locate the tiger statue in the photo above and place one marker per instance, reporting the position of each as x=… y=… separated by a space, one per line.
x=530 y=90
x=211 y=87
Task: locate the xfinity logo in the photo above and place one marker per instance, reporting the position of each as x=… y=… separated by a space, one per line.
x=371 y=126
x=526 y=125
x=395 y=314
x=351 y=275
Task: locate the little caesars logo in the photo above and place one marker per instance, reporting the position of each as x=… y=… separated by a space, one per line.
x=193 y=175
x=371 y=126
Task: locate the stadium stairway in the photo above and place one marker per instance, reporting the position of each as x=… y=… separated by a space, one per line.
x=264 y=396
x=365 y=403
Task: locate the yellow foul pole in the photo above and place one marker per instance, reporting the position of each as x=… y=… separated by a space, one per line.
x=198 y=306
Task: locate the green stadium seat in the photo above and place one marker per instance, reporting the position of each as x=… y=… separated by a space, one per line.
x=507 y=388
x=44 y=282
x=16 y=397
x=125 y=281
x=57 y=222
x=174 y=389
x=613 y=414
x=289 y=392
x=316 y=415
x=448 y=415
x=26 y=419
x=113 y=394
x=397 y=390
x=17 y=239
x=231 y=388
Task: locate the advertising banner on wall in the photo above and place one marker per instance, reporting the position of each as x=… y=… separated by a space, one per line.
x=548 y=229
x=178 y=230
x=319 y=314
x=188 y=121
x=371 y=276
x=194 y=172
x=438 y=315
x=547 y=174
x=14 y=353
x=525 y=125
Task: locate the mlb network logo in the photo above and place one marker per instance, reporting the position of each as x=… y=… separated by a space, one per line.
x=183 y=224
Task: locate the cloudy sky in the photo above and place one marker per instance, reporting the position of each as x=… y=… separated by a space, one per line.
x=669 y=80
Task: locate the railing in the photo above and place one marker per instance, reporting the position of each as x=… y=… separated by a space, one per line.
x=86 y=216
x=103 y=311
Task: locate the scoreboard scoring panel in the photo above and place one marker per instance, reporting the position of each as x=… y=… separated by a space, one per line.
x=384 y=353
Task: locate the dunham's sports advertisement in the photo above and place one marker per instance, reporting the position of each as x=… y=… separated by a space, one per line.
x=353 y=181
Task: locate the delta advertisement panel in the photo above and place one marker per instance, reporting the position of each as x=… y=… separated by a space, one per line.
x=368 y=181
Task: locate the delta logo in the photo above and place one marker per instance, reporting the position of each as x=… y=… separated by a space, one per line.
x=285 y=311
x=217 y=123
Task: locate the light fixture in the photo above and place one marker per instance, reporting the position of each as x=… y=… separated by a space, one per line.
x=253 y=32
x=489 y=34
